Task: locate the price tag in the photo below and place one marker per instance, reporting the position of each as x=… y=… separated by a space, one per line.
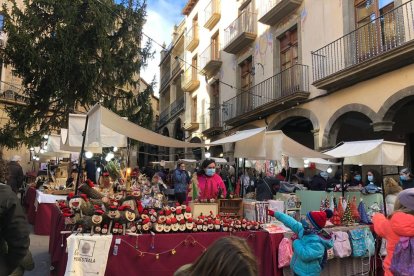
x=117 y=241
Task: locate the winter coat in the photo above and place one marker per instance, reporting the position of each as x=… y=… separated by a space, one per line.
x=407 y=184
x=14 y=231
x=181 y=180
x=209 y=186
x=265 y=188
x=15 y=176
x=308 y=249
x=318 y=183
x=399 y=225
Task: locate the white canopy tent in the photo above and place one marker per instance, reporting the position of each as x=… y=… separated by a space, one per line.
x=101 y=118
x=370 y=152
x=64 y=144
x=321 y=164
x=272 y=145
x=53 y=147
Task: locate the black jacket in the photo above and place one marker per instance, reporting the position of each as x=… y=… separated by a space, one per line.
x=14 y=231
x=318 y=183
x=15 y=176
x=266 y=188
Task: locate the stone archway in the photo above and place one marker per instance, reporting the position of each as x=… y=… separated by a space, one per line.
x=389 y=108
x=332 y=127
x=295 y=112
x=197 y=152
x=299 y=129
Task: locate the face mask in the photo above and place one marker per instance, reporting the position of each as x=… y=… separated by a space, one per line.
x=370 y=178
x=324 y=175
x=403 y=177
x=210 y=172
x=357 y=178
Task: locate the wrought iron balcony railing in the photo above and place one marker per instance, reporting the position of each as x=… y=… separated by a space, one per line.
x=264 y=94
x=210 y=58
x=212 y=118
x=191 y=38
x=177 y=106
x=165 y=79
x=377 y=38
x=164 y=116
x=240 y=32
x=212 y=14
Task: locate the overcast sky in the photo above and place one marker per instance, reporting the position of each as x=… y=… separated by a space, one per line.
x=162 y=15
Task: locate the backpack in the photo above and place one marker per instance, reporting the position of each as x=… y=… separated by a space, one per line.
x=370 y=243
x=342 y=246
x=402 y=263
x=357 y=239
x=285 y=252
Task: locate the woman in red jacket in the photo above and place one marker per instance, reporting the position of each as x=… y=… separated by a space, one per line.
x=399 y=224
x=210 y=184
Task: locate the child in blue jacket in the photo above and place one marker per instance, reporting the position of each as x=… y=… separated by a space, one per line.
x=309 y=250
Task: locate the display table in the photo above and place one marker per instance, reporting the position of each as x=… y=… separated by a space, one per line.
x=128 y=262
x=39 y=210
x=311 y=200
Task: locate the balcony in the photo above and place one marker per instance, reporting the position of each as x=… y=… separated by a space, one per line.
x=177 y=66
x=190 y=126
x=212 y=121
x=191 y=38
x=273 y=11
x=240 y=33
x=382 y=45
x=12 y=94
x=282 y=91
x=165 y=78
x=212 y=14
x=210 y=61
x=170 y=112
x=177 y=106
x=190 y=80
x=164 y=116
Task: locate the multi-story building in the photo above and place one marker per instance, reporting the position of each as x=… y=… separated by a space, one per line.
x=321 y=71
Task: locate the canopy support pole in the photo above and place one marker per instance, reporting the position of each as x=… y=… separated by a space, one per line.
x=383 y=190
x=342 y=177
x=81 y=155
x=244 y=175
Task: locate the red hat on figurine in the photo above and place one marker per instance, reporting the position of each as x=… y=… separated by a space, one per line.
x=188 y=209
x=174 y=220
x=190 y=220
x=182 y=221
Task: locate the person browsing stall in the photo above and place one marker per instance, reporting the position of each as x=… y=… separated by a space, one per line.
x=15 y=174
x=406 y=178
x=181 y=179
x=398 y=224
x=210 y=184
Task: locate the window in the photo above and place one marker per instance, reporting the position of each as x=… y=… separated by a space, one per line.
x=245 y=101
x=215 y=94
x=374 y=35
x=194 y=109
x=288 y=49
x=1 y=22
x=194 y=64
x=215 y=47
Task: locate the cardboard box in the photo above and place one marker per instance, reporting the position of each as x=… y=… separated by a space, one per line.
x=197 y=208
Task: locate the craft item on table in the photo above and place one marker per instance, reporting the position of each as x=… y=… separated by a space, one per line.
x=114 y=169
x=189 y=224
x=105 y=184
x=336 y=218
x=354 y=210
x=161 y=216
x=261 y=212
x=225 y=227
x=340 y=208
x=114 y=216
x=199 y=224
x=363 y=213
x=129 y=216
x=322 y=205
x=153 y=215
x=275 y=227
x=146 y=225
x=78 y=204
x=179 y=214
x=167 y=225
x=88 y=188
x=332 y=204
x=347 y=219
x=104 y=230
x=205 y=226
x=97 y=220
x=182 y=227
x=187 y=213
x=159 y=226
x=174 y=224
x=217 y=224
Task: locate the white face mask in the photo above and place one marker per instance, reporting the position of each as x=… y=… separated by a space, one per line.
x=210 y=172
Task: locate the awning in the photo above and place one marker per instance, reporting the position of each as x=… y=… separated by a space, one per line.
x=53 y=147
x=219 y=160
x=273 y=146
x=370 y=152
x=101 y=117
x=300 y=162
x=64 y=144
x=240 y=135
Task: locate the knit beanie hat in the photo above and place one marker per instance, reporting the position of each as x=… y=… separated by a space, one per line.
x=318 y=218
x=406 y=198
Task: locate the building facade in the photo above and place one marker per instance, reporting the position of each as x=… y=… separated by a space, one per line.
x=321 y=71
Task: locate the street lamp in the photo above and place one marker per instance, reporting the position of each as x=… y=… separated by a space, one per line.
x=207 y=154
x=88 y=154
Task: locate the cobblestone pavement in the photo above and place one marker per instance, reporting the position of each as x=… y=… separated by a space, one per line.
x=39 y=246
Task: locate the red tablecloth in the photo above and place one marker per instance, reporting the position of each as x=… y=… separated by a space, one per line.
x=40 y=218
x=128 y=262
x=29 y=203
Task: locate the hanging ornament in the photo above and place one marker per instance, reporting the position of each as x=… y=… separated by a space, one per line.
x=157 y=256
x=173 y=252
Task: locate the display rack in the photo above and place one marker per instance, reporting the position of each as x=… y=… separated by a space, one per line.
x=231 y=207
